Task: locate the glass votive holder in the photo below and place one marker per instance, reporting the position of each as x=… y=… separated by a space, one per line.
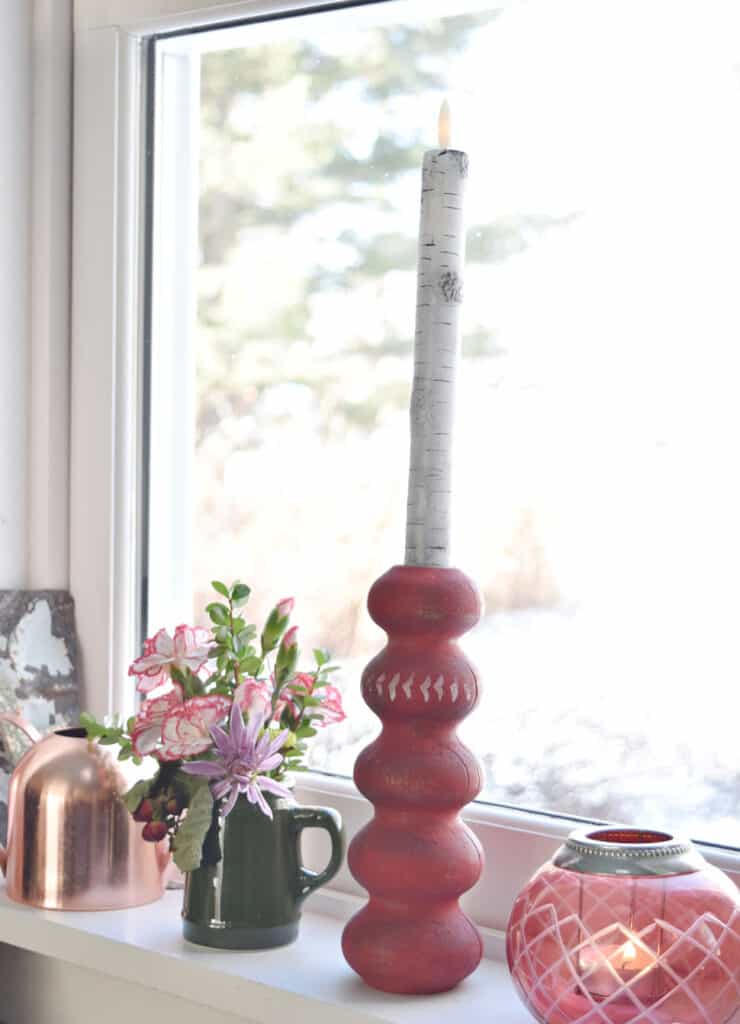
x=623 y=926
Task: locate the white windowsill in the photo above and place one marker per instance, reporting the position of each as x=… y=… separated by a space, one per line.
x=144 y=945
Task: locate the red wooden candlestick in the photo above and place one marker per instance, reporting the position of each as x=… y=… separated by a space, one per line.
x=416 y=857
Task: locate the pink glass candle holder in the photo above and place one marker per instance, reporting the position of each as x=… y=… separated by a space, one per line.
x=626 y=925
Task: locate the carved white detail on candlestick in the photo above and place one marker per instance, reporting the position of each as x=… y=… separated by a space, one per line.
x=393 y=686
x=443 y=688
x=439 y=299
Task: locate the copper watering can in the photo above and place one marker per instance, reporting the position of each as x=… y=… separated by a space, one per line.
x=72 y=845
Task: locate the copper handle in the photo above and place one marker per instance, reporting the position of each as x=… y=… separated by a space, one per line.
x=20 y=723
x=34 y=736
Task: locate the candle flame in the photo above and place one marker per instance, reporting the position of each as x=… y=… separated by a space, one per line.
x=628 y=952
x=445 y=125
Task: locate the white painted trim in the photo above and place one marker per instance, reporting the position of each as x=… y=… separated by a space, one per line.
x=51 y=201
x=147 y=17
x=15 y=171
x=41 y=989
x=308 y=980
x=107 y=241
x=173 y=319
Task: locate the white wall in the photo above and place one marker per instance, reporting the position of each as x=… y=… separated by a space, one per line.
x=35 y=206
x=15 y=169
x=49 y=380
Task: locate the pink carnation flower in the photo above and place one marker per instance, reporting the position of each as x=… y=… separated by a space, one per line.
x=146 y=735
x=285 y=607
x=301 y=683
x=253 y=696
x=331 y=709
x=186 y=728
x=187 y=650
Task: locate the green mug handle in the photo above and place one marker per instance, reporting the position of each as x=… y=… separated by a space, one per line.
x=318 y=817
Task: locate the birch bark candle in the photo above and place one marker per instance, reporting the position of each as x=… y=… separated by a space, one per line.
x=436 y=344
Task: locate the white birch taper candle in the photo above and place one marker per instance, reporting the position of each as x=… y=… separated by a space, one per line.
x=436 y=345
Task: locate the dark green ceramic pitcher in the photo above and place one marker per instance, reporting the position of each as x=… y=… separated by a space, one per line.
x=248 y=891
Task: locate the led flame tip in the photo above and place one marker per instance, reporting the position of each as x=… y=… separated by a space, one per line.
x=445 y=125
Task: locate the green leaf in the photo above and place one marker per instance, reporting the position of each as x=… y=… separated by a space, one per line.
x=322 y=656
x=251 y=665
x=92 y=727
x=188 y=844
x=218 y=613
x=187 y=785
x=240 y=594
x=220 y=588
x=305 y=731
x=138 y=792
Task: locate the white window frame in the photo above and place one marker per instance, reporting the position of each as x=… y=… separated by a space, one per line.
x=110 y=41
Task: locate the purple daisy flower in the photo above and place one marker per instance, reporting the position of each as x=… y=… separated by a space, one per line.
x=242 y=760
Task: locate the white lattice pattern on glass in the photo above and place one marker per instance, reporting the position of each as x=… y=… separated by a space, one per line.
x=691 y=953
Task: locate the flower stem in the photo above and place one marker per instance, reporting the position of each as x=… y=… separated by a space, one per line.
x=235 y=664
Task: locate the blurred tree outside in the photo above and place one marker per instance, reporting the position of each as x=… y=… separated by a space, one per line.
x=276 y=164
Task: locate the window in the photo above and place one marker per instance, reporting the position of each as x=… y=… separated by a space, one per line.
x=596 y=410
x=595 y=502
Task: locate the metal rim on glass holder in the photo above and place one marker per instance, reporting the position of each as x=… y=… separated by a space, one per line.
x=612 y=850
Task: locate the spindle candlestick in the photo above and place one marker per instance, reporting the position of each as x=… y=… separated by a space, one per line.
x=416 y=857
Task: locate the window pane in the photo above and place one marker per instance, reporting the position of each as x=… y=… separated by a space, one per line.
x=596 y=499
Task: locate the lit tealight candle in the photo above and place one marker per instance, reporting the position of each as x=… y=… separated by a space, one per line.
x=607 y=969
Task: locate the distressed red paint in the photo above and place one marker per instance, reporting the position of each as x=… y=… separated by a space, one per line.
x=416 y=857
